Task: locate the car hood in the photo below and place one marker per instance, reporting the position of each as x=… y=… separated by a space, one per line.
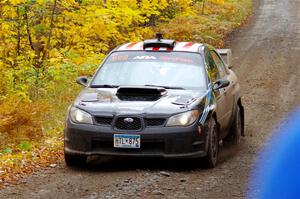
x=106 y=101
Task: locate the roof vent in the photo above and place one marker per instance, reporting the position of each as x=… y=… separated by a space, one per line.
x=159 y=42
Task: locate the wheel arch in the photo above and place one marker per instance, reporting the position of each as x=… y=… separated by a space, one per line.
x=213 y=115
x=239 y=103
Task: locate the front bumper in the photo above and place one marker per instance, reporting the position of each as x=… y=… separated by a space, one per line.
x=167 y=142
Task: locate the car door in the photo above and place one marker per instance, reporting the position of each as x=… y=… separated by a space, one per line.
x=214 y=75
x=228 y=91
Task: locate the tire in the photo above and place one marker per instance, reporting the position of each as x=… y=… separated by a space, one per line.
x=235 y=134
x=75 y=160
x=211 y=159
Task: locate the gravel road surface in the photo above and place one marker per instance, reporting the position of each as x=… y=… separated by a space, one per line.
x=267 y=61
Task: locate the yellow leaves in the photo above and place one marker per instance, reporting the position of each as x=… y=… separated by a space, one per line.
x=152 y=7
x=15 y=2
x=54 y=53
x=219 y=19
x=132 y=4
x=16 y=165
x=5 y=26
x=220 y=2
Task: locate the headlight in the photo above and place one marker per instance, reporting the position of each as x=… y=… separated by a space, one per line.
x=183 y=119
x=79 y=116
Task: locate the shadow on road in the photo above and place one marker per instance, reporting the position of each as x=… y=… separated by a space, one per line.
x=109 y=164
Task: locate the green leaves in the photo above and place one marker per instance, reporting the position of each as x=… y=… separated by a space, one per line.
x=7 y=151
x=24 y=146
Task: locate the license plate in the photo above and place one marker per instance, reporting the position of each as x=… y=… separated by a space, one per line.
x=127 y=141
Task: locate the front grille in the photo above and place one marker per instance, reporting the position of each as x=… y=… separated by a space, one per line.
x=104 y=120
x=135 y=125
x=122 y=124
x=154 y=121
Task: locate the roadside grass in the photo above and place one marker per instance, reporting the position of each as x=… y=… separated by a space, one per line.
x=31 y=132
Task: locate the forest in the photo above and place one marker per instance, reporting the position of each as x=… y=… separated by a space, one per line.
x=46 y=44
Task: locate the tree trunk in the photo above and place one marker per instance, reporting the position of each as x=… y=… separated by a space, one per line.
x=28 y=29
x=203 y=7
x=19 y=31
x=50 y=31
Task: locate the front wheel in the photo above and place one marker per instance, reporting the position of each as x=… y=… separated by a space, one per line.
x=213 y=145
x=75 y=160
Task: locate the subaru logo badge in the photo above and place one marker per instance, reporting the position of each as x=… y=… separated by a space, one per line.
x=128 y=120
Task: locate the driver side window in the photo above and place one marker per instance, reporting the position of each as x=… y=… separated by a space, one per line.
x=212 y=68
x=219 y=63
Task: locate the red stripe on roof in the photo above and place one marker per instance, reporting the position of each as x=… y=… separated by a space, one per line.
x=188 y=45
x=131 y=45
x=141 y=45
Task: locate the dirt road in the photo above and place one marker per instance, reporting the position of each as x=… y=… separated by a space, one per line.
x=267 y=61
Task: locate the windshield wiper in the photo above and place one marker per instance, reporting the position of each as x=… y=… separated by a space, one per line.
x=104 y=86
x=166 y=87
x=150 y=85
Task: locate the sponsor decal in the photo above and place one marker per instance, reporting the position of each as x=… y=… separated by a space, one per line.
x=176 y=59
x=116 y=58
x=207 y=108
x=144 y=58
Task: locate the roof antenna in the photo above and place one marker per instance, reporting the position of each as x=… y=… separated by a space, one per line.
x=159 y=36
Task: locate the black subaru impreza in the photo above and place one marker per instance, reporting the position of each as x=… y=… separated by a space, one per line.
x=156 y=98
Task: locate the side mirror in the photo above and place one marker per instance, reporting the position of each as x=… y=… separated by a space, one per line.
x=226 y=55
x=222 y=83
x=83 y=80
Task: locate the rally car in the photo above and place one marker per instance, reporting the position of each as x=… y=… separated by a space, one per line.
x=156 y=98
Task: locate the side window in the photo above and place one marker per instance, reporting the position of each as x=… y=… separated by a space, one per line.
x=212 y=68
x=219 y=63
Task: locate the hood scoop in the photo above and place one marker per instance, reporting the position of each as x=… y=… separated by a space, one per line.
x=144 y=93
x=143 y=90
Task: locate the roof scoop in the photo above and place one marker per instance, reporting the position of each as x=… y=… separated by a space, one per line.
x=141 y=91
x=159 y=42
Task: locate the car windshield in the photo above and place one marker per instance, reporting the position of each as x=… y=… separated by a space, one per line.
x=177 y=70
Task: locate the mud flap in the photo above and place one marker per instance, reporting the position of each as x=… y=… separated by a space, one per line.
x=243 y=119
